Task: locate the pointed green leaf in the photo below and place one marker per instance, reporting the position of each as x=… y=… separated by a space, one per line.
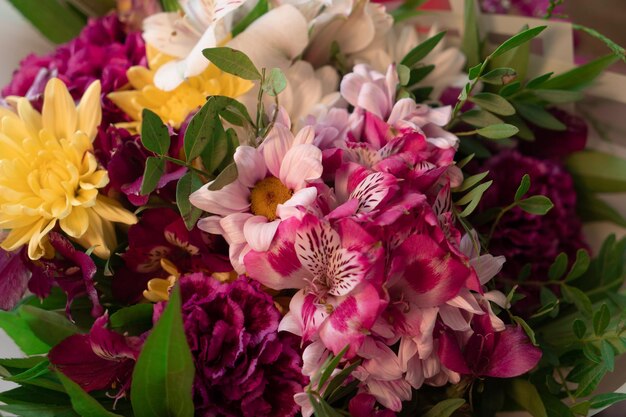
x=608 y=355
x=259 y=10
x=471 y=38
x=523 y=188
x=233 y=62
x=135 y=319
x=163 y=376
x=601 y=319
x=55 y=19
x=49 y=326
x=471 y=181
x=580 y=77
x=480 y=118
x=604 y=400
x=493 y=103
x=499 y=76
x=525 y=394
x=188 y=184
x=275 y=82
x=155 y=168
x=445 y=408
x=154 y=134
x=20 y=332
x=581 y=265
x=538 y=116
x=227 y=176
x=422 y=50
x=83 y=403
x=598 y=172
x=499 y=131
x=578 y=298
x=517 y=40
x=558 y=96
x=558 y=267
x=580 y=328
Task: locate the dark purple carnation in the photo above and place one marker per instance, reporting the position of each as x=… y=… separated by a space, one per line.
x=525 y=238
x=103 y=51
x=557 y=144
x=243 y=366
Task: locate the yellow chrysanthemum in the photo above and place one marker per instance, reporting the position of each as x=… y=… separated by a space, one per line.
x=174 y=106
x=49 y=174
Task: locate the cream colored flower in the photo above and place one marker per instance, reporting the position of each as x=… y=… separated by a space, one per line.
x=49 y=174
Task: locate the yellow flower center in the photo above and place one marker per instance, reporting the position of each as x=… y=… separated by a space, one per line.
x=266 y=195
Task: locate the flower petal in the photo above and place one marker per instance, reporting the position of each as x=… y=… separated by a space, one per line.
x=302 y=163
x=250 y=165
x=59 y=115
x=76 y=224
x=90 y=110
x=259 y=233
x=233 y=198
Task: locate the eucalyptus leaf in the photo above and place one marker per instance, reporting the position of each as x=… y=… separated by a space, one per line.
x=480 y=118
x=558 y=267
x=499 y=131
x=581 y=265
x=499 y=76
x=493 y=103
x=517 y=40
x=608 y=355
x=422 y=50
x=537 y=82
x=578 y=298
x=154 y=134
x=233 y=62
x=558 y=96
x=155 y=168
x=471 y=181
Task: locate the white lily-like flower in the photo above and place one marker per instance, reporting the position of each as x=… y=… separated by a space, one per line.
x=204 y=24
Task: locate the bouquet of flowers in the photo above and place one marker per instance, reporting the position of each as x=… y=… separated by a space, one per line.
x=280 y=208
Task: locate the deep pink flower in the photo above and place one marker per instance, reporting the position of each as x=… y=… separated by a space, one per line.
x=160 y=235
x=364 y=405
x=103 y=51
x=70 y=269
x=14 y=277
x=243 y=366
x=504 y=354
x=101 y=359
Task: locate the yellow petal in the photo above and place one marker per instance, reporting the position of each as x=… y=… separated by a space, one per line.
x=19 y=236
x=111 y=210
x=38 y=242
x=76 y=223
x=90 y=111
x=30 y=116
x=139 y=77
x=158 y=290
x=59 y=111
x=94 y=236
x=126 y=100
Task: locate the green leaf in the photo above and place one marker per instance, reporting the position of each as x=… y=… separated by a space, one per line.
x=404 y=74
x=581 y=265
x=418 y=74
x=559 y=96
x=34 y=394
x=154 y=134
x=590 y=380
x=598 y=171
x=55 y=19
x=499 y=131
x=275 y=82
x=480 y=118
x=155 y=168
x=188 y=184
x=337 y=381
x=170 y=5
x=538 y=116
x=445 y=408
x=407 y=10
x=20 y=332
x=471 y=181
x=163 y=376
x=524 y=131
x=83 y=403
x=510 y=89
x=39 y=375
x=578 y=298
x=332 y=363
x=527 y=329
x=523 y=188
x=608 y=355
x=475 y=71
x=537 y=204
x=590 y=208
x=558 y=267
x=604 y=400
x=259 y=10
x=526 y=396
x=499 y=76
x=538 y=81
x=582 y=408
x=493 y=103
x=200 y=130
x=580 y=328
x=517 y=40
x=471 y=38
x=422 y=50
x=135 y=319
x=227 y=176
x=473 y=198
x=39 y=410
x=49 y=326
x=601 y=319
x=233 y=62
x=580 y=77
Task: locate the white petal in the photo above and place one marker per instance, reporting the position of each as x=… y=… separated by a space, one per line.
x=211 y=225
x=233 y=198
x=170 y=75
x=250 y=165
x=487 y=266
x=232 y=225
x=275 y=147
x=196 y=62
x=167 y=33
x=302 y=163
x=259 y=233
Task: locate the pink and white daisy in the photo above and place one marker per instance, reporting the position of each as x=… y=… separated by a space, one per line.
x=272 y=180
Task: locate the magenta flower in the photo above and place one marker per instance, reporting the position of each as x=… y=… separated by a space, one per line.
x=504 y=354
x=364 y=405
x=101 y=359
x=103 y=51
x=15 y=276
x=557 y=144
x=160 y=235
x=243 y=366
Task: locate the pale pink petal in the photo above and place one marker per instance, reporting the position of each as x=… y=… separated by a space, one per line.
x=305 y=136
x=487 y=266
x=301 y=198
x=380 y=361
x=290 y=324
x=250 y=165
x=406 y=351
x=275 y=147
x=415 y=373
x=302 y=163
x=233 y=198
x=390 y=393
x=211 y=225
x=313 y=357
x=259 y=232
x=235 y=252
x=465 y=300
x=374 y=100
x=232 y=225
x=351 y=86
x=401 y=110
x=453 y=318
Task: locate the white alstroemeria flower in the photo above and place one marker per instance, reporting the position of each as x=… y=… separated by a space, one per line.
x=204 y=24
x=394 y=44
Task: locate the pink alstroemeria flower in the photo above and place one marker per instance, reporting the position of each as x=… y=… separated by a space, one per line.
x=336 y=267
x=101 y=359
x=272 y=180
x=504 y=354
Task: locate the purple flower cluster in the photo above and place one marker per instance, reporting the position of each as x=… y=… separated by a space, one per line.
x=243 y=366
x=525 y=238
x=535 y=8
x=103 y=51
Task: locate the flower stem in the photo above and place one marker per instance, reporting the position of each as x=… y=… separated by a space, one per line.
x=186 y=165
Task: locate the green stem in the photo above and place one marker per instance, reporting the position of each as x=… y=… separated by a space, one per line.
x=470 y=133
x=459 y=105
x=186 y=165
x=497 y=220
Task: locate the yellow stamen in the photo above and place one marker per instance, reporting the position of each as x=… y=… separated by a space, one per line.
x=266 y=195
